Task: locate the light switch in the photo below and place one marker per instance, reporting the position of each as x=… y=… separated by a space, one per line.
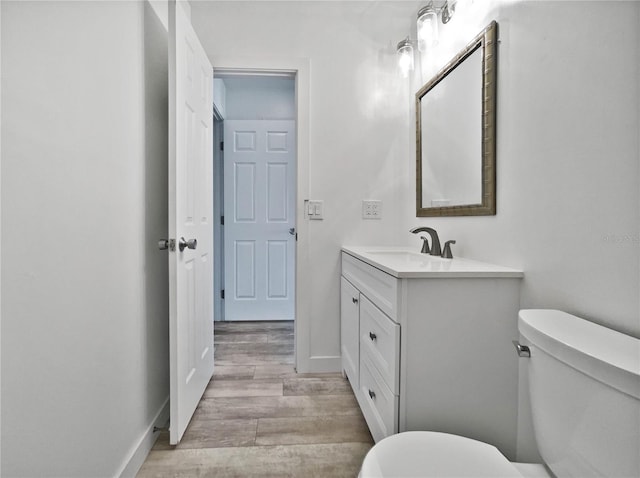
x=315 y=209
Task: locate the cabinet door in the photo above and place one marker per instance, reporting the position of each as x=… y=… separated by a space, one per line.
x=350 y=331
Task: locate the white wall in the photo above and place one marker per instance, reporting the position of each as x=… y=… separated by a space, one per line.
x=263 y=98
x=84 y=299
x=359 y=120
x=567 y=155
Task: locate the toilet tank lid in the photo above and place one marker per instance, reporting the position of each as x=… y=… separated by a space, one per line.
x=602 y=353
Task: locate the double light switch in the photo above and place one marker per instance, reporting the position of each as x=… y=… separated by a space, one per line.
x=315 y=209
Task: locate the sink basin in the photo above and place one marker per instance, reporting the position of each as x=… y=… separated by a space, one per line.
x=405 y=256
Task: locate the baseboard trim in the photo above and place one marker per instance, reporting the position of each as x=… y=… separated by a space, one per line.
x=321 y=364
x=140 y=450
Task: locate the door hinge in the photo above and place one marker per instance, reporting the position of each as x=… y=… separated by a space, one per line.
x=222 y=294
x=221 y=145
x=222 y=220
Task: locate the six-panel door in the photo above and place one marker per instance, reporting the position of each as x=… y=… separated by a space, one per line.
x=190 y=217
x=259 y=169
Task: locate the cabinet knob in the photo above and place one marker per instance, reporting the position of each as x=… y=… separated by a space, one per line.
x=372 y=394
x=372 y=336
x=354 y=300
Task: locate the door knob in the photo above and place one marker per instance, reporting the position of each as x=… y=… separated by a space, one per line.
x=292 y=231
x=190 y=244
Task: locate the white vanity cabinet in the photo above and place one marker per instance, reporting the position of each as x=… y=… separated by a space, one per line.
x=434 y=349
x=377 y=343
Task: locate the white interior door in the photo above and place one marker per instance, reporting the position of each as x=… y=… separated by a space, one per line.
x=190 y=216
x=259 y=230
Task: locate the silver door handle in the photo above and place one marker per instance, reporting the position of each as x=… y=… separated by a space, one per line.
x=292 y=231
x=190 y=244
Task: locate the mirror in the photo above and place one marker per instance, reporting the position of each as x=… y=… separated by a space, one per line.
x=455 y=134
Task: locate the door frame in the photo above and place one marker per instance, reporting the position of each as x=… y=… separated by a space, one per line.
x=218 y=212
x=299 y=68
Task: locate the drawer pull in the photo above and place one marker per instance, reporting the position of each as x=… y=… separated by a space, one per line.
x=354 y=300
x=372 y=336
x=372 y=394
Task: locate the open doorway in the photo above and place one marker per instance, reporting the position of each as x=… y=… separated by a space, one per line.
x=255 y=177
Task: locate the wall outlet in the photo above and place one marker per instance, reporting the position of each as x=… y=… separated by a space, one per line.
x=371 y=209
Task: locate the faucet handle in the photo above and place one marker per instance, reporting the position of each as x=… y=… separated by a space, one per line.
x=446 y=253
x=425 y=245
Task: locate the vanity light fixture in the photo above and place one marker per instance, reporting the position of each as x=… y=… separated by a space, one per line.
x=405 y=56
x=427 y=30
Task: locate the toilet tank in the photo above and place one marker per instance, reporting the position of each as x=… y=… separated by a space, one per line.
x=584 y=382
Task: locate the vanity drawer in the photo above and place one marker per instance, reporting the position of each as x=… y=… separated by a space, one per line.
x=381 y=288
x=380 y=342
x=379 y=405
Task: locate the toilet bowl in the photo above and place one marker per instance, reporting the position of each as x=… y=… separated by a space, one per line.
x=584 y=385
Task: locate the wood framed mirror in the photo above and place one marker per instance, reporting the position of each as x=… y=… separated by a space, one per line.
x=456 y=134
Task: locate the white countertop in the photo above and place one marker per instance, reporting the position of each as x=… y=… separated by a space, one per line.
x=406 y=262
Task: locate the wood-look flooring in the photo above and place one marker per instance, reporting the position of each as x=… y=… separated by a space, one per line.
x=259 y=418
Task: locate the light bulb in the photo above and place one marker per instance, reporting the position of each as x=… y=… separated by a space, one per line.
x=427 y=28
x=405 y=57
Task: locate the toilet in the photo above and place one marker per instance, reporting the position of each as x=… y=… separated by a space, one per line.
x=584 y=386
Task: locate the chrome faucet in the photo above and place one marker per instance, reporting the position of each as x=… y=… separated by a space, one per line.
x=435 y=241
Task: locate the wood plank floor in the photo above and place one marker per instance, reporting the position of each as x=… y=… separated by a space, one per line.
x=259 y=418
